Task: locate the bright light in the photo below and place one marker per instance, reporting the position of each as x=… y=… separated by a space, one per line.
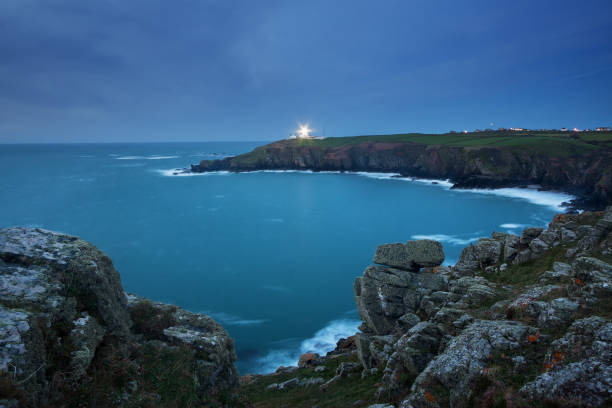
x=304 y=130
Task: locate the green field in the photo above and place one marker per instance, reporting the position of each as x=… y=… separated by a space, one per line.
x=549 y=142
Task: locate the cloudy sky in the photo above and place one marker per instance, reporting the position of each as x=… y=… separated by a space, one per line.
x=187 y=70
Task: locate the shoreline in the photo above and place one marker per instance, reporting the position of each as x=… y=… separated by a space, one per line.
x=562 y=201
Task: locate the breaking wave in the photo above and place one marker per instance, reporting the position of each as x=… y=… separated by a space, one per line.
x=321 y=343
x=451 y=239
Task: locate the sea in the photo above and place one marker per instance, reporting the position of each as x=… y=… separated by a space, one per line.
x=271 y=255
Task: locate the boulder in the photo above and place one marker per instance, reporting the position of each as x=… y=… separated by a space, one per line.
x=412 y=256
x=384 y=294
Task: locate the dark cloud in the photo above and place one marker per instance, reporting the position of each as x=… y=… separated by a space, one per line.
x=228 y=70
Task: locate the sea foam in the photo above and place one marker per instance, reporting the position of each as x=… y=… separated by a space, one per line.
x=321 y=343
x=451 y=239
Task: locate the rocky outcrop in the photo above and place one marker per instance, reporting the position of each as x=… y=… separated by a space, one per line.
x=64 y=319
x=451 y=336
x=585 y=174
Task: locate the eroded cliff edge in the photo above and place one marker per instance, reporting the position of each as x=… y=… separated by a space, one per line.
x=70 y=336
x=585 y=171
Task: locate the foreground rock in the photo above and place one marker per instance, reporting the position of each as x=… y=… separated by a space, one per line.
x=532 y=309
x=69 y=336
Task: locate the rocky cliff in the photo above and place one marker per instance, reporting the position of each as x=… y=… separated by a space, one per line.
x=70 y=336
x=587 y=173
x=519 y=321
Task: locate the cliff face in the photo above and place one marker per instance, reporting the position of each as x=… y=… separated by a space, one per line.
x=588 y=175
x=519 y=321
x=69 y=335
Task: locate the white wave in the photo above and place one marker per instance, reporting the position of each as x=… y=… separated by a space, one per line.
x=451 y=239
x=512 y=226
x=146 y=157
x=379 y=176
x=447 y=184
x=232 y=320
x=551 y=199
x=321 y=343
x=183 y=173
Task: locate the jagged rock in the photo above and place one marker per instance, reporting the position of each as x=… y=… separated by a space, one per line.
x=212 y=345
x=561 y=271
x=471 y=292
x=464 y=358
x=592 y=278
x=557 y=313
x=489 y=251
x=372 y=350
x=383 y=295
x=537 y=246
x=579 y=365
x=412 y=256
x=522 y=257
x=61 y=299
x=527 y=304
x=405 y=322
x=529 y=234
x=468 y=261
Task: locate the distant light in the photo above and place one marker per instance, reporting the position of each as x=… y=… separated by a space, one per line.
x=304 y=130
x=465 y=131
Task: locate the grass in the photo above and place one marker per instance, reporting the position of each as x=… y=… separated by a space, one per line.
x=342 y=393
x=547 y=142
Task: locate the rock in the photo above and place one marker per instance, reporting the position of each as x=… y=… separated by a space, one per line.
x=463 y=359
x=557 y=313
x=319 y=369
x=579 y=365
x=343 y=346
x=561 y=271
x=346 y=368
x=384 y=294
x=289 y=384
x=405 y=322
x=372 y=350
x=537 y=246
x=592 y=279
x=212 y=345
x=522 y=257
x=412 y=256
x=61 y=302
x=309 y=359
x=489 y=251
x=85 y=336
x=468 y=261
x=528 y=235
x=471 y=292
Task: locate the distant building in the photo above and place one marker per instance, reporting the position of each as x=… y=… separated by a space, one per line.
x=564 y=129
x=603 y=129
x=304 y=133
x=517 y=129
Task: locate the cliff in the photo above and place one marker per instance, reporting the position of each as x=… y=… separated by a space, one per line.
x=70 y=336
x=519 y=321
x=580 y=167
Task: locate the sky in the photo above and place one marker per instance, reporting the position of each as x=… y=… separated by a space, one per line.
x=225 y=70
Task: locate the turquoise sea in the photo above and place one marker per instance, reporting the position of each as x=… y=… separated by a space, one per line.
x=271 y=255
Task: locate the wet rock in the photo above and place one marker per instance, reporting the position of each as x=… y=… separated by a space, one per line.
x=412 y=256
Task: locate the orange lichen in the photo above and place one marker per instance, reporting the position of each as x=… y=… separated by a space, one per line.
x=435 y=269
x=533 y=338
x=579 y=282
x=557 y=357
x=429 y=397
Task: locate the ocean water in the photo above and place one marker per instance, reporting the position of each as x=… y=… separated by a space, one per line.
x=271 y=255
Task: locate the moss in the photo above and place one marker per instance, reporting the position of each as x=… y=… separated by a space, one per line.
x=150 y=320
x=529 y=272
x=342 y=393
